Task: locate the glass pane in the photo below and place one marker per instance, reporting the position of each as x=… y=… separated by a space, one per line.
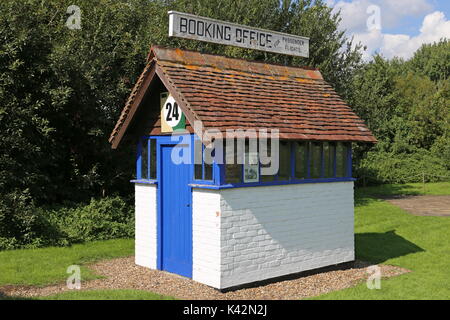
x=251 y=159
x=198 y=172
x=267 y=178
x=316 y=160
x=341 y=160
x=328 y=157
x=233 y=170
x=208 y=171
x=144 y=159
x=198 y=154
x=208 y=167
x=233 y=173
x=153 y=159
x=301 y=160
x=285 y=161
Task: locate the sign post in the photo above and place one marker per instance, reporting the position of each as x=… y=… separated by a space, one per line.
x=189 y=26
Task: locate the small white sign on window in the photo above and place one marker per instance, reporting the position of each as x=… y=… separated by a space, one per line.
x=251 y=167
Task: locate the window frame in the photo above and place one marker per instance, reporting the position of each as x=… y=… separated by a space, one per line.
x=215 y=171
x=218 y=180
x=148 y=141
x=308 y=179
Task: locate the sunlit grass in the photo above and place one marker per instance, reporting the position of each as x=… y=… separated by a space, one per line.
x=389 y=235
x=49 y=265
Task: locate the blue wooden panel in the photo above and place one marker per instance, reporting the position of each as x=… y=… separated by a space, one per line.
x=176 y=217
x=139 y=161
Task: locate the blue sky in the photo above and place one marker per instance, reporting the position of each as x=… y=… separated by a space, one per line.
x=394 y=27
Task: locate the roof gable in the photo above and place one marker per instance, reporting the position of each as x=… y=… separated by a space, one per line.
x=226 y=93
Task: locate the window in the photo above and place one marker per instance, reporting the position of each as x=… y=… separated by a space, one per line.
x=341 y=160
x=144 y=159
x=251 y=161
x=147 y=160
x=198 y=174
x=301 y=159
x=316 y=160
x=208 y=169
x=202 y=170
x=298 y=160
x=284 y=172
x=153 y=159
x=233 y=170
x=267 y=178
x=328 y=159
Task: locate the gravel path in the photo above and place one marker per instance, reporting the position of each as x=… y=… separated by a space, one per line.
x=124 y=274
x=423 y=205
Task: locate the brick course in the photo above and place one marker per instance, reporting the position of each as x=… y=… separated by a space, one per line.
x=280 y=230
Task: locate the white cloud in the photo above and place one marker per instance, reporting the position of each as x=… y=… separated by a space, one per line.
x=435 y=26
x=354 y=13
x=372 y=40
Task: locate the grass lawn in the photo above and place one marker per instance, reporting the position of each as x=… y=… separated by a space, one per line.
x=387 y=234
x=384 y=234
x=49 y=265
x=439 y=188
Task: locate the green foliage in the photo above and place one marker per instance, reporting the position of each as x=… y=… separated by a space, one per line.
x=433 y=60
x=407 y=106
x=60 y=93
x=381 y=167
x=103 y=219
x=62 y=90
x=23 y=225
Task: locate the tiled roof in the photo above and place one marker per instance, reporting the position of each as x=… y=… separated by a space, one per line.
x=226 y=93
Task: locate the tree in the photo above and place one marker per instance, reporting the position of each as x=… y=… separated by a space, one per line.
x=62 y=90
x=432 y=60
x=406 y=104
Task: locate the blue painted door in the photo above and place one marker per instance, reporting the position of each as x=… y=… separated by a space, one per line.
x=176 y=216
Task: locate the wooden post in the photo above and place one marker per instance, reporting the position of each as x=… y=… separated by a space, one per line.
x=423 y=181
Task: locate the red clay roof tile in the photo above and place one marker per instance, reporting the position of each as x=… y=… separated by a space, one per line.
x=228 y=93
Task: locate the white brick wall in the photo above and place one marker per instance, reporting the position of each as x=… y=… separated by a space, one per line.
x=272 y=231
x=251 y=234
x=206 y=236
x=145 y=237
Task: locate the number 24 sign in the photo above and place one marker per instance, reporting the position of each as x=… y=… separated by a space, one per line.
x=172 y=118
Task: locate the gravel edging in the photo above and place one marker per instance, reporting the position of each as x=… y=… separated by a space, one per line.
x=122 y=273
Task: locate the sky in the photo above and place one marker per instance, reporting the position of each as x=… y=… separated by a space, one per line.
x=394 y=28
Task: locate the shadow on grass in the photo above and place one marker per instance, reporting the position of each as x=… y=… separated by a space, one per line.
x=380 y=247
x=363 y=200
x=366 y=195
x=4 y=297
x=388 y=190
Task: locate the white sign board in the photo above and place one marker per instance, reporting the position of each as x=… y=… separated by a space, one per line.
x=188 y=26
x=172 y=118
